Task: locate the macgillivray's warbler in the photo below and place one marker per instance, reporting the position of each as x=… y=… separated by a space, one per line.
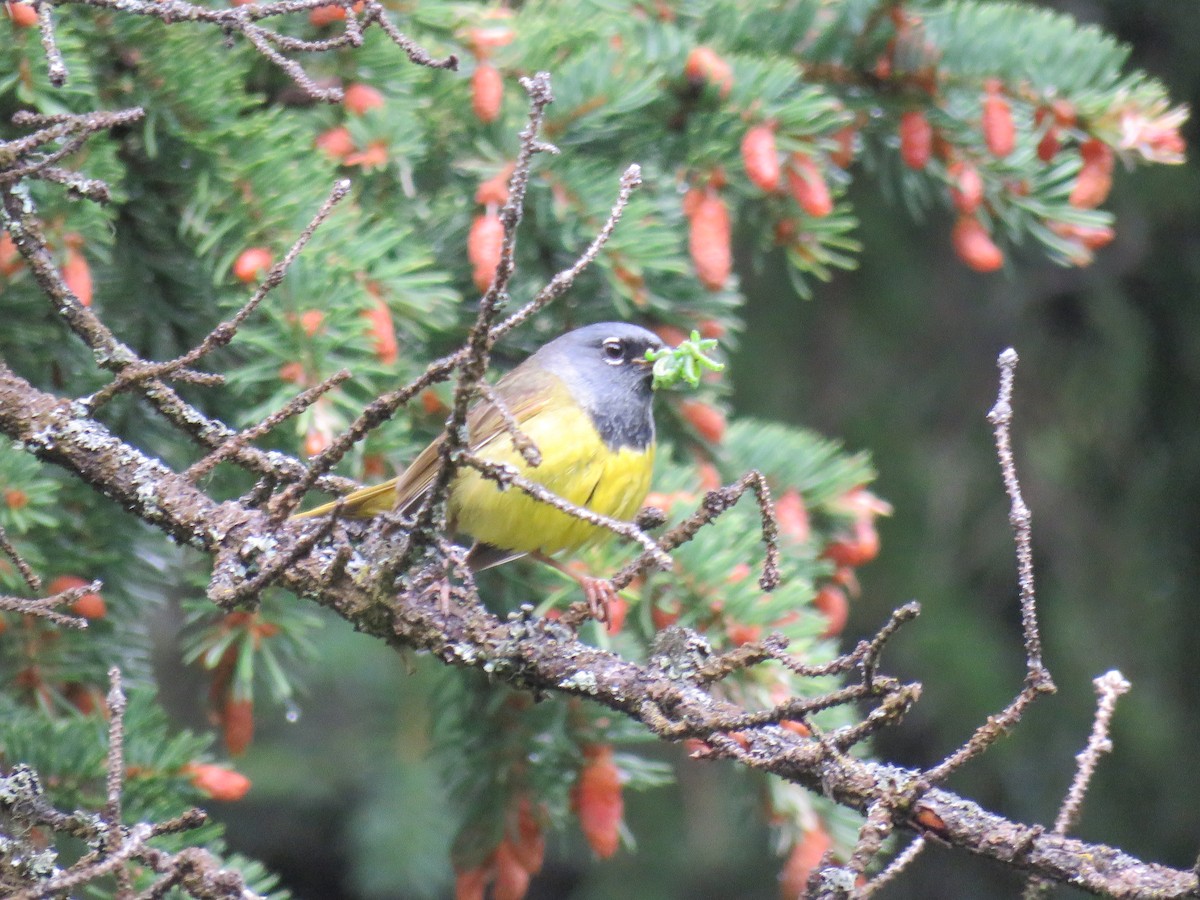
x=584 y=399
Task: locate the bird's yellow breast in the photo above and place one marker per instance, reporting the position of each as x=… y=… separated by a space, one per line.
x=576 y=465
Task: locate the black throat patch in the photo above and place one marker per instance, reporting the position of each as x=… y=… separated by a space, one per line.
x=631 y=427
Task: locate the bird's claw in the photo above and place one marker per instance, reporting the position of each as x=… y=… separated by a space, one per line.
x=600 y=595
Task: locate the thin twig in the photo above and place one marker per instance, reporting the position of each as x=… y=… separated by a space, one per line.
x=375 y=12
x=45 y=607
x=56 y=69
x=793 y=709
x=521 y=441
x=875 y=829
x=865 y=656
x=294 y=407
x=77 y=185
x=200 y=874
x=507 y=476
x=898 y=864
x=384 y=407
x=115 y=768
x=631 y=179
x=1109 y=687
x=187 y=821
x=714 y=504
x=70 y=131
x=31 y=579
x=1037 y=678
x=431 y=516
x=257 y=36
x=242 y=20
x=1019 y=515
x=890 y=711
x=83 y=872
x=139 y=371
x=871 y=651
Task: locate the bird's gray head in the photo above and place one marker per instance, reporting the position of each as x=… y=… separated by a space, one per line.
x=605 y=367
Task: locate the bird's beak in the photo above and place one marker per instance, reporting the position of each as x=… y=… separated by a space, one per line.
x=643 y=362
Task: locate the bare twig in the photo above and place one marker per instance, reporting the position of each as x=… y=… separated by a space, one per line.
x=1019 y=517
x=198 y=873
x=894 y=707
x=138 y=371
x=431 y=516
x=869 y=652
x=68 y=130
x=115 y=778
x=294 y=407
x=375 y=12
x=521 y=441
x=46 y=607
x=898 y=864
x=986 y=735
x=189 y=820
x=258 y=37
x=84 y=871
x=795 y=709
x=385 y=406
x=1037 y=678
x=1109 y=686
x=508 y=476
x=714 y=504
x=871 y=836
x=865 y=656
x=243 y=20
x=77 y=185
x=631 y=179
x=56 y=69
x=31 y=579
x=115 y=767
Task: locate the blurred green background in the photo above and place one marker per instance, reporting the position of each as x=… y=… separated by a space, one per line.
x=897 y=358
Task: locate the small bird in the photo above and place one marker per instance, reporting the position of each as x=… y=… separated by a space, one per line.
x=584 y=400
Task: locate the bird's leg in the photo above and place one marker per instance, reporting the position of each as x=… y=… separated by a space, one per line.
x=599 y=592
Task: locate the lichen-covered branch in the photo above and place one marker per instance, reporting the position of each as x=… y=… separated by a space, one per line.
x=244 y=20
x=114 y=845
x=544 y=655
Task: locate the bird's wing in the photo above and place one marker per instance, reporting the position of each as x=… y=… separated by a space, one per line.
x=523 y=392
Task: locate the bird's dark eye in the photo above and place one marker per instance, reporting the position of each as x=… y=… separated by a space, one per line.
x=614 y=351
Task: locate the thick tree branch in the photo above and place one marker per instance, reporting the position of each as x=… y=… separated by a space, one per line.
x=543 y=655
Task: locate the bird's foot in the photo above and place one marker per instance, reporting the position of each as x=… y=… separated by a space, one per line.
x=601 y=595
x=599 y=592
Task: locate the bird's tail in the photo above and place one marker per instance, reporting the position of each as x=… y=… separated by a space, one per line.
x=362 y=504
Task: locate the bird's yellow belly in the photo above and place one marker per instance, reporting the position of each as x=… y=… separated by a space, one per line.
x=576 y=465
